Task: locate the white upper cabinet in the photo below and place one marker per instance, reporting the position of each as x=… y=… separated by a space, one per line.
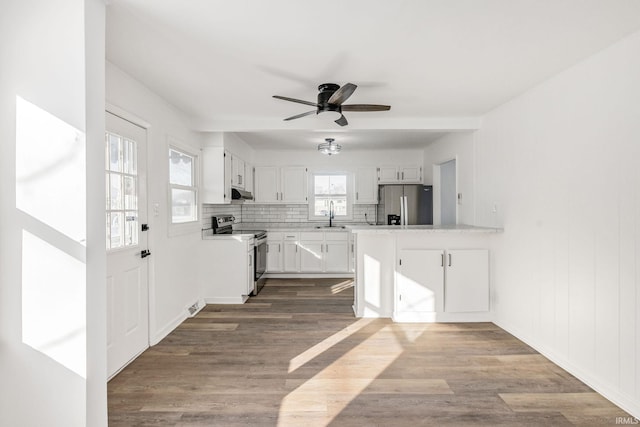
x=280 y=185
x=267 y=185
x=293 y=184
x=248 y=177
x=400 y=175
x=216 y=175
x=237 y=172
x=366 y=186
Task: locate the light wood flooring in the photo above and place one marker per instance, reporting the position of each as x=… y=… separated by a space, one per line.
x=296 y=356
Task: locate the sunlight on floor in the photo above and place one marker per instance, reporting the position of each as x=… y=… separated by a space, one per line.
x=319 y=348
x=320 y=399
x=342 y=286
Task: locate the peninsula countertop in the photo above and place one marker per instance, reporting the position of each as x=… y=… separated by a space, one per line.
x=458 y=228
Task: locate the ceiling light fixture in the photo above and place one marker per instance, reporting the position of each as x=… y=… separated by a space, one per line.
x=329 y=147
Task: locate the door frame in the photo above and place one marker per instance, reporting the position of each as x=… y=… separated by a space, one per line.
x=137 y=121
x=437 y=190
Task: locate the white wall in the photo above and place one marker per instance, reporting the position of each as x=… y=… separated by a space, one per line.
x=562 y=165
x=52 y=55
x=173 y=263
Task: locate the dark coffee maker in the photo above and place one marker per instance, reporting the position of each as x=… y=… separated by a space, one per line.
x=393 y=219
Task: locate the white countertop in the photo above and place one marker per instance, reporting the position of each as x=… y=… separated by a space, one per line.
x=459 y=228
x=294 y=226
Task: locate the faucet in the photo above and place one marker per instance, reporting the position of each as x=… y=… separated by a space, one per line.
x=331 y=214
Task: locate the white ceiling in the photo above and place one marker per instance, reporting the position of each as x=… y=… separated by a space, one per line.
x=440 y=64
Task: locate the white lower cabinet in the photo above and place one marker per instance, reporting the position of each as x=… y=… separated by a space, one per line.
x=308 y=252
x=467 y=281
x=275 y=252
x=441 y=281
x=336 y=253
x=420 y=281
x=311 y=252
x=290 y=256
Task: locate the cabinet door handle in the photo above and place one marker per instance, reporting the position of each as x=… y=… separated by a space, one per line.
x=356 y=195
x=249 y=261
x=403 y=175
x=441 y=260
x=278 y=247
x=296 y=248
x=398 y=176
x=449 y=260
x=352 y=248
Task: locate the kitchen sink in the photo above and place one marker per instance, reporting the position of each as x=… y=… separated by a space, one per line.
x=331 y=226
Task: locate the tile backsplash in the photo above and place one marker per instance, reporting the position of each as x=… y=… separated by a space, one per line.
x=249 y=213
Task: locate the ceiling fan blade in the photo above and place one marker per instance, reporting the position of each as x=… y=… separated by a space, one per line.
x=297 y=116
x=342 y=94
x=342 y=121
x=365 y=107
x=299 y=101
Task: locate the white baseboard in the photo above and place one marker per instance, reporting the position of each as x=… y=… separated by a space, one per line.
x=628 y=403
x=167 y=329
x=309 y=275
x=430 y=317
x=227 y=300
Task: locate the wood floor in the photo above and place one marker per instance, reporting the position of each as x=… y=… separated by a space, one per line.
x=296 y=356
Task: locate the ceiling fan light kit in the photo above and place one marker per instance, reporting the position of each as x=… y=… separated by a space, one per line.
x=329 y=147
x=331 y=98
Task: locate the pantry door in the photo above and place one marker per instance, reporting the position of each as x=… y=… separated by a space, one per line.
x=127 y=250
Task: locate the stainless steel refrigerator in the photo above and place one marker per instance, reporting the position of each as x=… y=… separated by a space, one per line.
x=405 y=204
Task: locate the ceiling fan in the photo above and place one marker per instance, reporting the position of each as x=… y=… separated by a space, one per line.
x=330 y=98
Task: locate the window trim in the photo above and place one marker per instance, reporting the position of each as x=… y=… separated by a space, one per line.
x=180 y=228
x=312 y=196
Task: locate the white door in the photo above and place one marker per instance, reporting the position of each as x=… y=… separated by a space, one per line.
x=366 y=186
x=266 y=185
x=127 y=271
x=467 y=288
x=293 y=185
x=420 y=281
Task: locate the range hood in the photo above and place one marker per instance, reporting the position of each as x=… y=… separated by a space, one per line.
x=237 y=194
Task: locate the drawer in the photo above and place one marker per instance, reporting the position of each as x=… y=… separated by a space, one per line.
x=339 y=236
x=274 y=236
x=311 y=236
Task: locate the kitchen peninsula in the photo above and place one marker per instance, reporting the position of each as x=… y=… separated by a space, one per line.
x=423 y=273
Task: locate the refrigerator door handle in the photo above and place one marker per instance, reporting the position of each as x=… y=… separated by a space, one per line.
x=406 y=211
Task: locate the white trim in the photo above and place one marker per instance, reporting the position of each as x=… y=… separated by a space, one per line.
x=167 y=329
x=311 y=199
x=125 y=115
x=280 y=275
x=434 y=317
x=227 y=300
x=182 y=228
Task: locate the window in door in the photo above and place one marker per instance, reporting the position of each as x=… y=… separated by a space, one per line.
x=330 y=191
x=121 y=179
x=182 y=186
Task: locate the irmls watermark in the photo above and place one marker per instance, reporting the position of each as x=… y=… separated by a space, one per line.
x=627 y=420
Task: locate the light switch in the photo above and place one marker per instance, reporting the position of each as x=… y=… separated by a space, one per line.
x=156 y=209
